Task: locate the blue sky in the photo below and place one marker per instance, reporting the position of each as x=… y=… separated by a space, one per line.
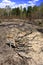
x=18 y=3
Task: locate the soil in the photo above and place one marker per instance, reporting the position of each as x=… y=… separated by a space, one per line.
x=21 y=42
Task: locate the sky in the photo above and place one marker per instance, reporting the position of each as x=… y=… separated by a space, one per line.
x=18 y=3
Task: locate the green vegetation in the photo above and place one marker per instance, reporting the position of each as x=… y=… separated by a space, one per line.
x=30 y=12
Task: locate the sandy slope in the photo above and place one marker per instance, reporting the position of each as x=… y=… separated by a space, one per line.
x=26 y=44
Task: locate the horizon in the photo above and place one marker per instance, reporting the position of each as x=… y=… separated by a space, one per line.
x=16 y=3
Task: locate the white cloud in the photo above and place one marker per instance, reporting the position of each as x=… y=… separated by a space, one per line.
x=11 y=4
x=14 y=4
x=6 y=2
x=35 y=0
x=32 y=2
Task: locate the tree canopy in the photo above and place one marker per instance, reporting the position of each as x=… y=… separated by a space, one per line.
x=29 y=12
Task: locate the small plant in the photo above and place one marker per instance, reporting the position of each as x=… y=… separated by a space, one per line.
x=0 y=21
x=39 y=23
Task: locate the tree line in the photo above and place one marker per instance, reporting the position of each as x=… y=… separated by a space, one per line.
x=30 y=12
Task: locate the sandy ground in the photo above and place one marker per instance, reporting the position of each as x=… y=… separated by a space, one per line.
x=21 y=43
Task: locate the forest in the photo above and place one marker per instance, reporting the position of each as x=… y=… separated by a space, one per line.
x=35 y=12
